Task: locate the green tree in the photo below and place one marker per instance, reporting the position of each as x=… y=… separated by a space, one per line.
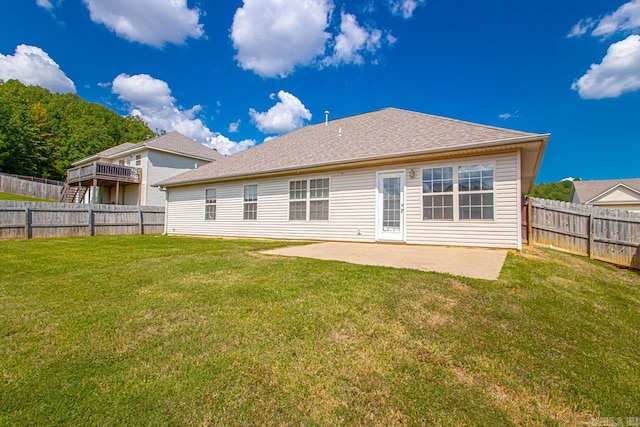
x=553 y=190
x=42 y=133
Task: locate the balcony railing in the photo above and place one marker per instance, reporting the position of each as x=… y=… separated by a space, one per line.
x=103 y=171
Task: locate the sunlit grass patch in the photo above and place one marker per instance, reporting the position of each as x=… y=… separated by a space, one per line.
x=167 y=330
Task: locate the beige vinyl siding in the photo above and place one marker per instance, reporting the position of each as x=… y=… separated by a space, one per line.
x=352 y=208
x=159 y=166
x=502 y=231
x=620 y=195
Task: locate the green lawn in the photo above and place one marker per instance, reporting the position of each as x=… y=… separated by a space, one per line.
x=19 y=197
x=152 y=330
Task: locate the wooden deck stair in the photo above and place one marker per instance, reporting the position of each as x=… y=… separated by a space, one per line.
x=73 y=193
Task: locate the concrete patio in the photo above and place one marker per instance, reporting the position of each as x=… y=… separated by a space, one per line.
x=468 y=262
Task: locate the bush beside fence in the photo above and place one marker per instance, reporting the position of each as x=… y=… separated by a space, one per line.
x=19 y=220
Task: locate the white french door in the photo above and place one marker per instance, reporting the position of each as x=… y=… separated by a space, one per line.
x=390 y=206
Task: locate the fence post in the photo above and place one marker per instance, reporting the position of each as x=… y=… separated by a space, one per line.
x=530 y=222
x=141 y=225
x=91 y=223
x=27 y=223
x=590 y=232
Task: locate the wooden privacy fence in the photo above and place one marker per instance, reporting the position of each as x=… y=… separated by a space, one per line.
x=30 y=186
x=40 y=219
x=609 y=235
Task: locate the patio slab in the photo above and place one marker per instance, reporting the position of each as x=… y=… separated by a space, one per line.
x=468 y=262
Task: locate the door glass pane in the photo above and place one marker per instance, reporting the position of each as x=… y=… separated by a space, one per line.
x=391 y=204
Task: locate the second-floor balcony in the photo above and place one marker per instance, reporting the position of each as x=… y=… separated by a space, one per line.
x=103 y=172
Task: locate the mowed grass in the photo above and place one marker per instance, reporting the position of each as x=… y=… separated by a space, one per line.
x=152 y=330
x=21 y=198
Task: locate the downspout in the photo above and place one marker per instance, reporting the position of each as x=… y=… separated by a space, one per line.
x=166 y=210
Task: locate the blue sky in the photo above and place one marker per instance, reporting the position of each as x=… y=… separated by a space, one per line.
x=234 y=73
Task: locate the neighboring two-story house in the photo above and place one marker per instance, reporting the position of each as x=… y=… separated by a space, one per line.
x=125 y=174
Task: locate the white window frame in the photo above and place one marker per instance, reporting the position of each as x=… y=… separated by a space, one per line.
x=478 y=192
x=209 y=203
x=441 y=193
x=316 y=198
x=138 y=159
x=311 y=196
x=299 y=201
x=246 y=203
x=457 y=193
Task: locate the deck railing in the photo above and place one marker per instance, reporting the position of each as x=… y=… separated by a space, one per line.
x=103 y=171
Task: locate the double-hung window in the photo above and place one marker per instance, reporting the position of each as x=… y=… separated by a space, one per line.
x=298 y=200
x=309 y=200
x=250 y=205
x=319 y=199
x=210 y=202
x=475 y=191
x=437 y=193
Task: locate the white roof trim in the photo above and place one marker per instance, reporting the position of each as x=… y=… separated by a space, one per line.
x=611 y=190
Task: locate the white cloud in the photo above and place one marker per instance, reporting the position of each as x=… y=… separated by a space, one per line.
x=152 y=22
x=150 y=99
x=618 y=73
x=352 y=41
x=104 y=84
x=272 y=37
x=228 y=147
x=234 y=126
x=404 y=8
x=288 y=114
x=625 y=18
x=506 y=116
x=45 y=3
x=33 y=66
x=581 y=28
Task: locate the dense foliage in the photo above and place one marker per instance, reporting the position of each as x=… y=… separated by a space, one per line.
x=553 y=190
x=42 y=133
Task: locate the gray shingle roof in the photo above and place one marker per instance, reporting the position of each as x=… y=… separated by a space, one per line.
x=178 y=143
x=174 y=142
x=587 y=190
x=379 y=134
x=115 y=150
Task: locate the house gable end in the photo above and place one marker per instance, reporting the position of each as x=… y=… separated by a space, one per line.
x=617 y=194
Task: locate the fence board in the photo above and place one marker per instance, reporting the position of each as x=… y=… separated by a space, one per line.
x=40 y=219
x=605 y=234
x=32 y=187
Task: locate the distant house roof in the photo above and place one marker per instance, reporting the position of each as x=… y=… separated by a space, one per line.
x=585 y=191
x=383 y=134
x=173 y=142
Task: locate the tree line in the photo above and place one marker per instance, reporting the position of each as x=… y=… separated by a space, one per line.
x=553 y=190
x=42 y=133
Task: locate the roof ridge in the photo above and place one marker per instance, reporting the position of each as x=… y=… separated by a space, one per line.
x=435 y=116
x=466 y=122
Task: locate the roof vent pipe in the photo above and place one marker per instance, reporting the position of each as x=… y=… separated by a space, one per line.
x=326 y=118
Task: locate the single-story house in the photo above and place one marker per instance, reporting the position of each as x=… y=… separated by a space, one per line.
x=608 y=193
x=386 y=176
x=125 y=174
